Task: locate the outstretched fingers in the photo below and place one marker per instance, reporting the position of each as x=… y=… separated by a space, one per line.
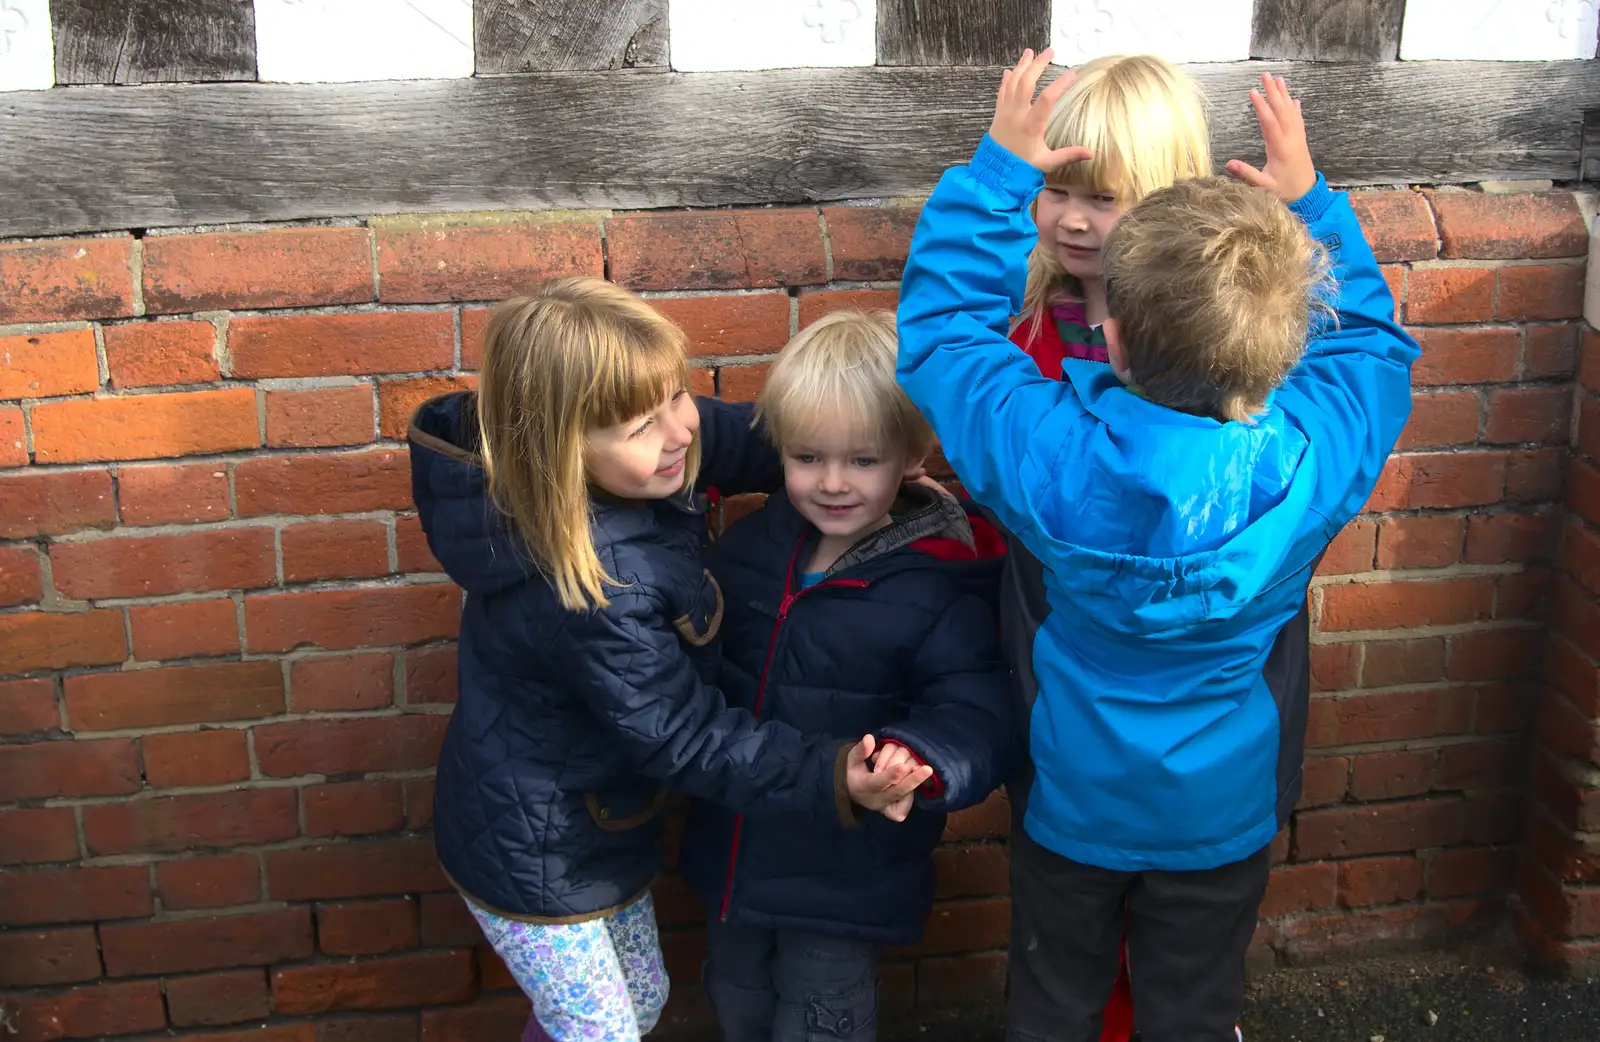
x=1020 y=118
x=1248 y=174
x=1052 y=93
x=1265 y=116
x=1289 y=170
x=1063 y=156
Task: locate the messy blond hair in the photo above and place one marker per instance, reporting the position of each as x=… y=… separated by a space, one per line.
x=1145 y=121
x=1213 y=285
x=576 y=355
x=842 y=366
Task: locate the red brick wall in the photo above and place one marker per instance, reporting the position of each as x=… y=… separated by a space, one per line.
x=1559 y=879
x=226 y=653
x=1430 y=606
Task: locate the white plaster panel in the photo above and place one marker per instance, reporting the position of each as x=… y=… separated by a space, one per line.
x=342 y=41
x=27 y=56
x=1177 y=30
x=709 y=35
x=1499 y=30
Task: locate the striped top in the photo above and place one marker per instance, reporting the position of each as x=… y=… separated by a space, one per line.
x=1066 y=334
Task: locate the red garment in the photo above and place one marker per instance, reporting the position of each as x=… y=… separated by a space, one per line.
x=1119 y=1011
x=1064 y=333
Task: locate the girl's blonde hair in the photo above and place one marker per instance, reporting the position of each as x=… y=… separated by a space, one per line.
x=576 y=355
x=1145 y=121
x=840 y=368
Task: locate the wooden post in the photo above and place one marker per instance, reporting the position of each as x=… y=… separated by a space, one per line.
x=569 y=35
x=960 y=32
x=1328 y=30
x=153 y=41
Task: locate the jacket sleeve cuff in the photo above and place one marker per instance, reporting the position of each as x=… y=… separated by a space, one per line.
x=931 y=789
x=998 y=169
x=849 y=813
x=1311 y=206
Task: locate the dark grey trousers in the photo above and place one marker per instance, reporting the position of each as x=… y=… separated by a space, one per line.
x=784 y=986
x=1187 y=937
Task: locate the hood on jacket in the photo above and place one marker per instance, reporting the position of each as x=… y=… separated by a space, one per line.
x=950 y=534
x=1174 y=520
x=469 y=536
x=931 y=520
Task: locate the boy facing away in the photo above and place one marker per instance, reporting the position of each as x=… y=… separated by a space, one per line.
x=858 y=602
x=1178 y=501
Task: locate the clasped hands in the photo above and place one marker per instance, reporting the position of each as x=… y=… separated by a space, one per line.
x=886 y=782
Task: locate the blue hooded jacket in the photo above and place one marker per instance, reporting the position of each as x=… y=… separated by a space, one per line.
x=570 y=724
x=1173 y=550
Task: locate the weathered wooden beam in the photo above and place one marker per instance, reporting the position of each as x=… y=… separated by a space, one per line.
x=94 y=158
x=960 y=32
x=569 y=35
x=1328 y=30
x=153 y=41
x=1591 y=145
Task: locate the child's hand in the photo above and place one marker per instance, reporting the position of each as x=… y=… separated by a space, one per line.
x=885 y=789
x=1019 y=120
x=1289 y=172
x=894 y=756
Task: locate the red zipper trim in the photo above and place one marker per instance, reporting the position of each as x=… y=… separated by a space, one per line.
x=761 y=691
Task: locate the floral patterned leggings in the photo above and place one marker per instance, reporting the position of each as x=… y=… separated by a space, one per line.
x=599 y=979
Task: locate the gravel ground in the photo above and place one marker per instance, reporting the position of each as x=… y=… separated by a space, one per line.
x=1476 y=994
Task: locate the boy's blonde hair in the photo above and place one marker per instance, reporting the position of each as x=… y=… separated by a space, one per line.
x=575 y=355
x=1145 y=121
x=842 y=365
x=1213 y=285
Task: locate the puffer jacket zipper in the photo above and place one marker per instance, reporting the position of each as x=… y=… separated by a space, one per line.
x=790 y=595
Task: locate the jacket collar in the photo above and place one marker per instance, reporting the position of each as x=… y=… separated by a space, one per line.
x=919 y=513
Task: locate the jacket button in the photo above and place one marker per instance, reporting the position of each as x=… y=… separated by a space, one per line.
x=605 y=813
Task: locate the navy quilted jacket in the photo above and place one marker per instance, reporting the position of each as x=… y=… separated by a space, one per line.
x=570 y=724
x=897 y=640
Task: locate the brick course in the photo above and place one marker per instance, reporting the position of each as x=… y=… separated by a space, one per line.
x=226 y=659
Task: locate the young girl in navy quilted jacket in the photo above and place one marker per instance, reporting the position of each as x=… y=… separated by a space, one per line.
x=561 y=497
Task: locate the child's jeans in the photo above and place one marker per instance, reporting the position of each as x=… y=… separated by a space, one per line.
x=598 y=979
x=785 y=986
x=1187 y=934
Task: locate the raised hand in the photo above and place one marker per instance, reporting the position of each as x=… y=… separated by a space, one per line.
x=1019 y=118
x=1289 y=171
x=887 y=789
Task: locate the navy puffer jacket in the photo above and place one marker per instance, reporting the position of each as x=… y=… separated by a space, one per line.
x=570 y=724
x=898 y=640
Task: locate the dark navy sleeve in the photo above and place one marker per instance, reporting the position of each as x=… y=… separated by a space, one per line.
x=629 y=665
x=962 y=713
x=735 y=457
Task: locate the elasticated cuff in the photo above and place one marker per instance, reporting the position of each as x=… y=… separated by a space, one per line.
x=998 y=169
x=931 y=789
x=1311 y=206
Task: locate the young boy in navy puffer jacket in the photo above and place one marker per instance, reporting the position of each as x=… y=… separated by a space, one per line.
x=858 y=603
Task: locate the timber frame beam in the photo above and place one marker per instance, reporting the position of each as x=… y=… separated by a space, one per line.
x=78 y=159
